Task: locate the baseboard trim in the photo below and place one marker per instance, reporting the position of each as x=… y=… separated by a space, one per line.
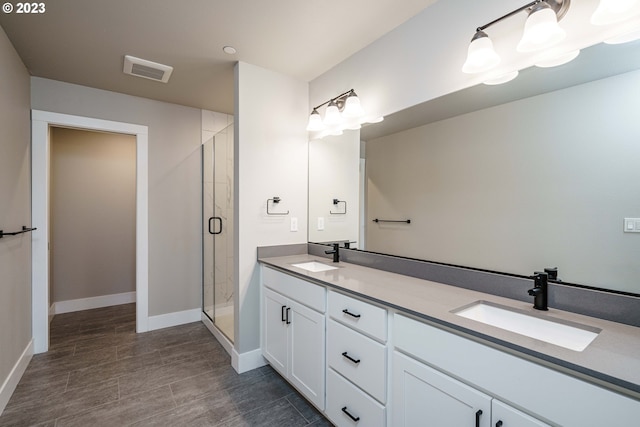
x=11 y=382
x=93 y=302
x=174 y=319
x=222 y=339
x=243 y=362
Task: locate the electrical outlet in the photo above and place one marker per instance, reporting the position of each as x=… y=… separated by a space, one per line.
x=320 y=223
x=632 y=225
x=294 y=224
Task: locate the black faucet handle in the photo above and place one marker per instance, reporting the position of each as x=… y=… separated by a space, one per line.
x=552 y=272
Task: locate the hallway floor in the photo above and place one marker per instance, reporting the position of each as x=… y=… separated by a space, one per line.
x=99 y=372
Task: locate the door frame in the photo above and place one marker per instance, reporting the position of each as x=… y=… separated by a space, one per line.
x=40 y=176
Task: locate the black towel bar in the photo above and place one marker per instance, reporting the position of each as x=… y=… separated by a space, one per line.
x=25 y=229
x=408 y=221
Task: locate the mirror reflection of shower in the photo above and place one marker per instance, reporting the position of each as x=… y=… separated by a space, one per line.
x=217 y=230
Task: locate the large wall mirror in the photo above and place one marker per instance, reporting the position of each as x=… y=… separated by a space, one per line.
x=539 y=172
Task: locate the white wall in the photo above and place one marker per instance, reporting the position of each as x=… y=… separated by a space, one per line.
x=333 y=174
x=15 y=211
x=175 y=272
x=271 y=160
x=93 y=214
x=518 y=187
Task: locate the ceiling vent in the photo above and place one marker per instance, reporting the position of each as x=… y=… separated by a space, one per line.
x=147 y=69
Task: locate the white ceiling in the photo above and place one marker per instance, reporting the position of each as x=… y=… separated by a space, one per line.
x=84 y=41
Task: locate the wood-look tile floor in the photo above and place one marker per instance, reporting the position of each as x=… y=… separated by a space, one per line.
x=99 y=372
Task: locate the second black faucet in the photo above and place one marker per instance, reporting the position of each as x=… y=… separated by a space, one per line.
x=539 y=290
x=335 y=252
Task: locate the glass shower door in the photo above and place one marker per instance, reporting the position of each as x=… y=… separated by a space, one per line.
x=217 y=205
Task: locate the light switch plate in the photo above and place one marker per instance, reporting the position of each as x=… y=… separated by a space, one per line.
x=320 y=223
x=632 y=225
x=294 y=223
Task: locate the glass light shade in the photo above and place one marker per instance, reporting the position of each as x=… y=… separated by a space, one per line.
x=556 y=60
x=624 y=38
x=502 y=79
x=480 y=56
x=352 y=107
x=541 y=30
x=315 y=122
x=612 y=11
x=332 y=115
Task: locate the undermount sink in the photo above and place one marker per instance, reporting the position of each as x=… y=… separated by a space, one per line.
x=314 y=266
x=562 y=333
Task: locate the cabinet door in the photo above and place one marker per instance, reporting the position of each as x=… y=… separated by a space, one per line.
x=504 y=415
x=275 y=330
x=307 y=362
x=423 y=396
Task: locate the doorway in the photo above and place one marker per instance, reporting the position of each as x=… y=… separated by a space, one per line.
x=217 y=232
x=41 y=122
x=92 y=217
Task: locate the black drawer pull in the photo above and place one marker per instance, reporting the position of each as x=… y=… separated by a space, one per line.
x=478 y=417
x=345 y=311
x=282 y=315
x=351 y=358
x=355 y=419
x=288 y=311
x=499 y=423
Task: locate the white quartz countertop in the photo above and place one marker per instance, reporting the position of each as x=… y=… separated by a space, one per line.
x=611 y=360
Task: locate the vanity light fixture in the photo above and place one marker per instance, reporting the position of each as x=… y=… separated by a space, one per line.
x=342 y=112
x=541 y=31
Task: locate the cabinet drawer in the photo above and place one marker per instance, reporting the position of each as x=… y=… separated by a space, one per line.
x=342 y=394
x=358 y=358
x=304 y=292
x=359 y=315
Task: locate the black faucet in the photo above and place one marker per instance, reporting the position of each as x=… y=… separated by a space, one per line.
x=335 y=252
x=539 y=290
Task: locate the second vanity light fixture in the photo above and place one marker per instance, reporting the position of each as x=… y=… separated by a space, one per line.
x=541 y=30
x=342 y=112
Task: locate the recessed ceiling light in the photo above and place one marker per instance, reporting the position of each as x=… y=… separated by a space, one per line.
x=229 y=50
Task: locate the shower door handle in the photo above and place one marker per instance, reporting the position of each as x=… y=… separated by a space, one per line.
x=211 y=225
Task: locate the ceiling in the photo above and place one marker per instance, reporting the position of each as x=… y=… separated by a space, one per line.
x=84 y=41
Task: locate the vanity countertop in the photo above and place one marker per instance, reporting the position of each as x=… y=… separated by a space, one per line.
x=611 y=360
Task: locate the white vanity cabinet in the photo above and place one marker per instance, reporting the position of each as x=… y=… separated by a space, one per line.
x=365 y=364
x=425 y=396
x=451 y=369
x=356 y=362
x=293 y=332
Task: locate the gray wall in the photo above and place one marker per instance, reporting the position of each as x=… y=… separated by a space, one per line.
x=518 y=187
x=15 y=208
x=175 y=273
x=93 y=211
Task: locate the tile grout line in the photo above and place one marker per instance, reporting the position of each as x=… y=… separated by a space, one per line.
x=296 y=409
